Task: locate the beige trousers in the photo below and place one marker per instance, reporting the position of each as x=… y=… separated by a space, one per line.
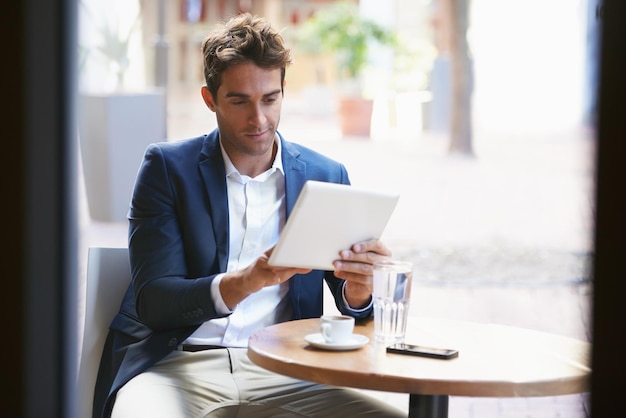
x=225 y=383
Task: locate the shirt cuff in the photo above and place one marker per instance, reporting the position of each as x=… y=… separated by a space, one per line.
x=345 y=301
x=216 y=295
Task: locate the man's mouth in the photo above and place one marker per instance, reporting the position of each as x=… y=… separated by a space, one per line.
x=257 y=134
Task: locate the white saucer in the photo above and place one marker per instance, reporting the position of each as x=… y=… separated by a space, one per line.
x=356 y=341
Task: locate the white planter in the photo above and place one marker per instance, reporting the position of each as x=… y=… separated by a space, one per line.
x=115 y=129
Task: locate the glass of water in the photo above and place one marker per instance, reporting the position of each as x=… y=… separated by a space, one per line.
x=392 y=294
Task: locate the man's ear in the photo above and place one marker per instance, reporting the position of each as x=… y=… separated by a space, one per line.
x=208 y=98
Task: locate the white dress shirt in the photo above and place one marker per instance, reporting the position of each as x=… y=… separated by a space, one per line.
x=257 y=214
x=256 y=209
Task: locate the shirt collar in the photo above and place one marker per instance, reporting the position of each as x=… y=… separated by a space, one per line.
x=277 y=165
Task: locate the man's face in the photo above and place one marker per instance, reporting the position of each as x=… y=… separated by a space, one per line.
x=247 y=108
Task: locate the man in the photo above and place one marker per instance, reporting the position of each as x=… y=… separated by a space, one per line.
x=204 y=217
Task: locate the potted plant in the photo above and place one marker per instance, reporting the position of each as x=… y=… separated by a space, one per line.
x=341 y=30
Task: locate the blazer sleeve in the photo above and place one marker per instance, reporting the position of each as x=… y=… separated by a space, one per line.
x=168 y=293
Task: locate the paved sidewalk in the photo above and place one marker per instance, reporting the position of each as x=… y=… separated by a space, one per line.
x=502 y=238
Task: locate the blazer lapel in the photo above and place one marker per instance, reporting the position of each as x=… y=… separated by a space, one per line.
x=295 y=177
x=211 y=166
x=295 y=174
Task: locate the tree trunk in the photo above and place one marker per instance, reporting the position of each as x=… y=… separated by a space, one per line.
x=462 y=81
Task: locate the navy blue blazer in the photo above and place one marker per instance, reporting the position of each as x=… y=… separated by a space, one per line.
x=178 y=243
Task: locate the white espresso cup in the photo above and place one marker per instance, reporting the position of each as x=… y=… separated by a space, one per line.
x=336 y=329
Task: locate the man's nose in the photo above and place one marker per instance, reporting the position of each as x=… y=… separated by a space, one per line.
x=257 y=116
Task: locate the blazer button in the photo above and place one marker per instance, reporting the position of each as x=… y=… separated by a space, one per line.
x=173 y=342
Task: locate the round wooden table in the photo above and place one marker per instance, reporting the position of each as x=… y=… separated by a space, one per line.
x=493 y=361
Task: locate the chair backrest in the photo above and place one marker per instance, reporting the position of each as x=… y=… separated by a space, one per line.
x=108 y=276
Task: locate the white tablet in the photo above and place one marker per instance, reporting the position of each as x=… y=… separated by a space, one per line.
x=328 y=218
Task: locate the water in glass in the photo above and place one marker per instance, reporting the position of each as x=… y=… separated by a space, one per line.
x=392 y=291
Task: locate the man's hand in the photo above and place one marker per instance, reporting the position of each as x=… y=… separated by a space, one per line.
x=238 y=285
x=356 y=267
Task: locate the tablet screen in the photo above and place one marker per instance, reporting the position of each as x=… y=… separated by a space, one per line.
x=328 y=218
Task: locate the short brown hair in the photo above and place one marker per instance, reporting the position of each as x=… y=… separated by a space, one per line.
x=243 y=38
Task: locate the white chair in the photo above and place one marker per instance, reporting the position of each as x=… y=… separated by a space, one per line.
x=108 y=276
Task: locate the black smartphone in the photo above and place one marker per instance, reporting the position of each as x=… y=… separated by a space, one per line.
x=418 y=350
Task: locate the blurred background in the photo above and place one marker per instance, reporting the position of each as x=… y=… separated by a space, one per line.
x=481 y=113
